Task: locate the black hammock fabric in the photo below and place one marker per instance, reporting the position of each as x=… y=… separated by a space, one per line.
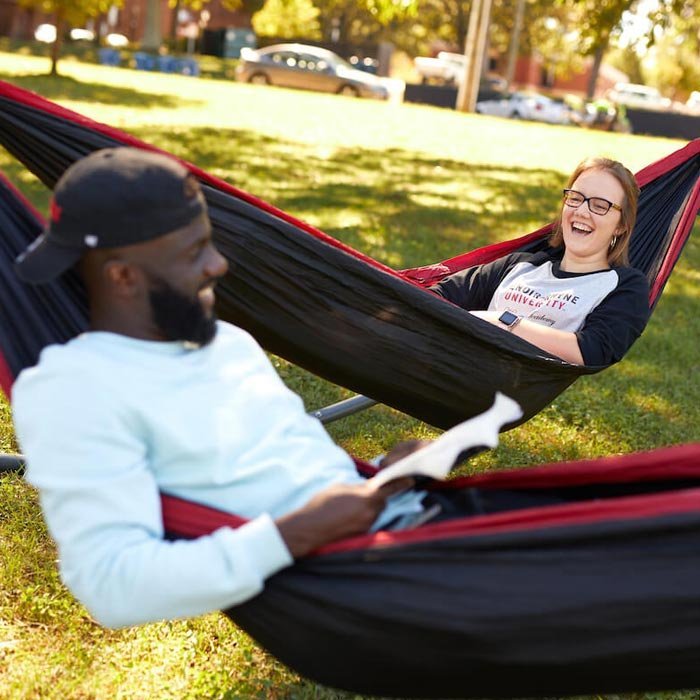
x=346 y=317
x=567 y=579
x=31 y=317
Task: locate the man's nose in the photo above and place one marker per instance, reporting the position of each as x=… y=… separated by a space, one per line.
x=217 y=265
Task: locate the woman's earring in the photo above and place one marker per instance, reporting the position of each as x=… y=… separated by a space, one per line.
x=613 y=241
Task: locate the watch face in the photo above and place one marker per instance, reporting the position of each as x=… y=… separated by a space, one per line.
x=507 y=318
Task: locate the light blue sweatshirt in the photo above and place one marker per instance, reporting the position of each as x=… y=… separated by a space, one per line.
x=107 y=421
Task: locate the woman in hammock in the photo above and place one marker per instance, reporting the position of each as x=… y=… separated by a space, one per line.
x=579 y=300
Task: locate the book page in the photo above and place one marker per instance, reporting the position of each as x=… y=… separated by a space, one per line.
x=437 y=459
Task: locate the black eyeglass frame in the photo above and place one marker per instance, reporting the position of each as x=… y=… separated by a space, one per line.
x=587 y=201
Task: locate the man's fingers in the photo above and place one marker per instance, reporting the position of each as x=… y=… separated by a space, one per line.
x=396 y=486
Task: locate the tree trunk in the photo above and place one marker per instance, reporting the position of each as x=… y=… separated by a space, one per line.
x=56 y=46
x=98 y=22
x=174 y=21
x=461 y=25
x=514 y=48
x=152 y=37
x=595 y=68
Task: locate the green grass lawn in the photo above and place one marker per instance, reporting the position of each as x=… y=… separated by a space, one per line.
x=406 y=184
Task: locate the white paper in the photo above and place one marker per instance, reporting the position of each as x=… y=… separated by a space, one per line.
x=437 y=458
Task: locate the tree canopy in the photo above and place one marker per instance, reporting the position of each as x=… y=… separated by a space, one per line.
x=67 y=13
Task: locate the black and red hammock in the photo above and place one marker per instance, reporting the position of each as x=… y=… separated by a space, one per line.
x=346 y=317
x=562 y=579
x=565 y=579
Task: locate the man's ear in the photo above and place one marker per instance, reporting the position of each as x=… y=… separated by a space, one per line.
x=123 y=278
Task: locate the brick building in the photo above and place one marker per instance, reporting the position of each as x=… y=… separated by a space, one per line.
x=19 y=22
x=531 y=72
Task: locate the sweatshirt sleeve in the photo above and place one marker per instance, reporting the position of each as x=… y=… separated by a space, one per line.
x=612 y=327
x=473 y=288
x=102 y=507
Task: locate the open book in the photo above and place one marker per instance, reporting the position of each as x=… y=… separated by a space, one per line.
x=437 y=458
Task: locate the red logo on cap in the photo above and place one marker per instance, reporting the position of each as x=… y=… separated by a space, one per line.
x=55 y=211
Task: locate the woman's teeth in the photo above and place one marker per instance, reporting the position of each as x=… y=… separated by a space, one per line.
x=581 y=228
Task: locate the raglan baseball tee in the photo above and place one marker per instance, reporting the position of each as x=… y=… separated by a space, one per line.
x=607 y=309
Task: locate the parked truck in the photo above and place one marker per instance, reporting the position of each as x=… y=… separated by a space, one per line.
x=446 y=68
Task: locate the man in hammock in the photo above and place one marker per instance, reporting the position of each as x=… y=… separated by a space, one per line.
x=160 y=397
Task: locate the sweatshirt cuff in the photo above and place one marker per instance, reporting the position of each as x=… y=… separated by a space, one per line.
x=263 y=537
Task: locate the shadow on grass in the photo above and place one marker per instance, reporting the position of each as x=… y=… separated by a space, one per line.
x=401 y=207
x=65 y=88
x=406 y=209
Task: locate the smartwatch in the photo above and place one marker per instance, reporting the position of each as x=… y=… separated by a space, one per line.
x=509 y=320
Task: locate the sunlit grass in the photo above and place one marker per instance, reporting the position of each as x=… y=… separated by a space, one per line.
x=406 y=184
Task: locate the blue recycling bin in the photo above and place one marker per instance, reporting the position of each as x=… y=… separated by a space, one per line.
x=144 y=61
x=109 y=57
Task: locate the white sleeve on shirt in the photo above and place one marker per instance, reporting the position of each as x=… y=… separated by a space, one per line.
x=85 y=458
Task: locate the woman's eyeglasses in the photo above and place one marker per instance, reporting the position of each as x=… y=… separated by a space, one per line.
x=596 y=205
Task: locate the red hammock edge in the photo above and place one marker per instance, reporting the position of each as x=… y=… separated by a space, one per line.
x=192 y=519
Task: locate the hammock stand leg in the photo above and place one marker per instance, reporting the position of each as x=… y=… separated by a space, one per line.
x=11 y=463
x=342 y=409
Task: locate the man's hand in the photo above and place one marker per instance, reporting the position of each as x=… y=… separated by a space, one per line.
x=338 y=511
x=401 y=450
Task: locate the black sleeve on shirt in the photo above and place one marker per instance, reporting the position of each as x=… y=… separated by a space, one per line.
x=473 y=288
x=612 y=327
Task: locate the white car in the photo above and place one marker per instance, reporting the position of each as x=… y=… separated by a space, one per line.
x=81 y=34
x=523 y=105
x=116 y=41
x=45 y=33
x=446 y=67
x=693 y=102
x=633 y=95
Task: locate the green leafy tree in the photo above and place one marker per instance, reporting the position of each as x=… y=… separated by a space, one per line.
x=598 y=23
x=67 y=13
x=358 y=21
x=674 y=61
x=288 y=19
x=668 y=54
x=549 y=31
x=628 y=60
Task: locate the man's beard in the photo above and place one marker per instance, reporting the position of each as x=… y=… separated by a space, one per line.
x=178 y=317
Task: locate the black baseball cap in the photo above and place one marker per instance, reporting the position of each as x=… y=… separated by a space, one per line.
x=112 y=198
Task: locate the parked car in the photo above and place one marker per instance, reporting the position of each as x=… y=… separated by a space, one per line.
x=116 y=41
x=367 y=64
x=81 y=34
x=633 y=95
x=445 y=68
x=523 y=105
x=448 y=68
x=693 y=102
x=45 y=33
x=309 y=67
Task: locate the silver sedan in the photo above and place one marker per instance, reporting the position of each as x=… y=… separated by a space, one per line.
x=307 y=67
